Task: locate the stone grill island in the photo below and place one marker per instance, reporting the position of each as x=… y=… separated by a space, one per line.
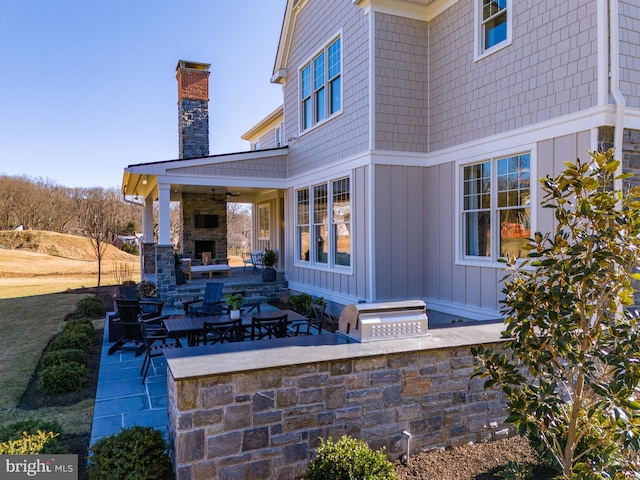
x=257 y=409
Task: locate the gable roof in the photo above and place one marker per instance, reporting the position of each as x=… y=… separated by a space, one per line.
x=284 y=44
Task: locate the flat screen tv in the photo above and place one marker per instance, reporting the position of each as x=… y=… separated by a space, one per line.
x=206 y=221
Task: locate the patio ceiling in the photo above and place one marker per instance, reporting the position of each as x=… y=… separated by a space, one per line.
x=193 y=176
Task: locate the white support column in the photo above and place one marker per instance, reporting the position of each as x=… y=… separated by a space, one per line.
x=164 y=194
x=147 y=220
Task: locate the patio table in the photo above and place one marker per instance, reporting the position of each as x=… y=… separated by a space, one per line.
x=191 y=326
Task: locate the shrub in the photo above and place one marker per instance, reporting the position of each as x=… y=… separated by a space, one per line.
x=348 y=459
x=90 y=307
x=60 y=357
x=67 y=377
x=28 y=444
x=301 y=303
x=136 y=453
x=31 y=436
x=83 y=326
x=71 y=339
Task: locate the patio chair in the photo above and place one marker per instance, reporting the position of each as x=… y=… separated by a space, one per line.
x=128 y=323
x=212 y=302
x=247 y=259
x=155 y=343
x=275 y=327
x=221 y=332
x=314 y=324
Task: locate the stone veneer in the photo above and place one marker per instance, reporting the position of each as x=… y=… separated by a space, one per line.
x=165 y=271
x=199 y=204
x=242 y=422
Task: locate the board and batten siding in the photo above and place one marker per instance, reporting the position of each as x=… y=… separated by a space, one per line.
x=346 y=134
x=549 y=70
x=351 y=283
x=415 y=242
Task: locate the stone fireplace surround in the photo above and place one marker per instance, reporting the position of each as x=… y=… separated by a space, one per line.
x=200 y=204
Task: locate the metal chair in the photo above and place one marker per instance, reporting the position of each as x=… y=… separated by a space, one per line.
x=275 y=327
x=152 y=334
x=212 y=302
x=221 y=332
x=315 y=322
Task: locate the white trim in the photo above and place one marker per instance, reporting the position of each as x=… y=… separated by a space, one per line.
x=602 y=46
x=423 y=10
x=467 y=311
x=491 y=262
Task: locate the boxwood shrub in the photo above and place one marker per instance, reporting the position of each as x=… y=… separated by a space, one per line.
x=136 y=453
x=347 y=459
x=90 y=307
x=60 y=357
x=83 y=326
x=71 y=339
x=66 y=377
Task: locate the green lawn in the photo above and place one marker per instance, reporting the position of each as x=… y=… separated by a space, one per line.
x=26 y=326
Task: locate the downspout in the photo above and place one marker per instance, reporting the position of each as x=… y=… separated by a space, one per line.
x=614 y=82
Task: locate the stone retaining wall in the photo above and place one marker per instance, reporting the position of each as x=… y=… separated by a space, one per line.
x=266 y=423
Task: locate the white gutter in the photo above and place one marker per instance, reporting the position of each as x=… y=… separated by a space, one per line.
x=614 y=77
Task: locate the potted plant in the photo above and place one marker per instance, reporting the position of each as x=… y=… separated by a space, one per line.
x=269 y=259
x=235 y=302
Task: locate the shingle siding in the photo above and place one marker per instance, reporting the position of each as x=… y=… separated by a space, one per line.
x=548 y=71
x=401 y=76
x=347 y=133
x=629 y=21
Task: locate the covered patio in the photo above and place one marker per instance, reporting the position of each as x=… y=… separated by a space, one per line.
x=203 y=186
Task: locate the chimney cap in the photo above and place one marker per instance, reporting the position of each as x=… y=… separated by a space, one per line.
x=193 y=65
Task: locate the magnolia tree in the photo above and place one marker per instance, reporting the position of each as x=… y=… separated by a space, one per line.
x=571 y=365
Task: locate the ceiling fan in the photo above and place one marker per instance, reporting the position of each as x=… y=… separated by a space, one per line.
x=221 y=197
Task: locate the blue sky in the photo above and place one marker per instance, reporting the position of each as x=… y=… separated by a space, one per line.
x=88 y=87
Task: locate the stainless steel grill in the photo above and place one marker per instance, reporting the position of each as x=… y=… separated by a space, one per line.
x=366 y=322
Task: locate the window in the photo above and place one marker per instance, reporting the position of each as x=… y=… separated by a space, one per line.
x=263 y=222
x=278 y=139
x=320 y=86
x=302 y=226
x=323 y=213
x=496 y=213
x=494 y=21
x=341 y=222
x=320 y=204
x=255 y=146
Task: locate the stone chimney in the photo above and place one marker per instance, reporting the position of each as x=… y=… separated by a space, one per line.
x=193 y=108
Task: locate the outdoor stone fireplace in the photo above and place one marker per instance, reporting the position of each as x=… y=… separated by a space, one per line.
x=204 y=226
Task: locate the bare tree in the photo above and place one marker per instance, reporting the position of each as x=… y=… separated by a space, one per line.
x=98 y=222
x=238 y=226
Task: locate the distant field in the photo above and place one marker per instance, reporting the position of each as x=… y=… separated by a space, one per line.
x=37 y=263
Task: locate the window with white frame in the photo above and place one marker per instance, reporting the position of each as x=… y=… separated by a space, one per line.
x=496 y=207
x=323 y=227
x=320 y=86
x=494 y=25
x=255 y=146
x=303 y=247
x=278 y=139
x=264 y=230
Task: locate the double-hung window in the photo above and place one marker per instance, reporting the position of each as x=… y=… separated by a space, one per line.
x=493 y=25
x=323 y=229
x=320 y=86
x=496 y=207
